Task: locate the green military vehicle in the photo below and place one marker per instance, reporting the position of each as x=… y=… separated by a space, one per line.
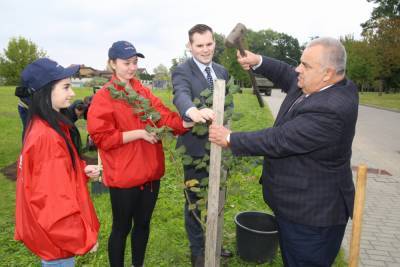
x=264 y=85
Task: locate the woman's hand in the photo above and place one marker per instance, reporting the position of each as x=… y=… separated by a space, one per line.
x=92 y=171
x=94 y=248
x=149 y=137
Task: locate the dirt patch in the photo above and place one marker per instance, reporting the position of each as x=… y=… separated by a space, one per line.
x=10 y=171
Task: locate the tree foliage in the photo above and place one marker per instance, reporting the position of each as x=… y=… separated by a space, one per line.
x=382 y=33
x=19 y=53
x=362 y=63
x=161 y=73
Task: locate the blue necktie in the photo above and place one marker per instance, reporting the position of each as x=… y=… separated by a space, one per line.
x=209 y=78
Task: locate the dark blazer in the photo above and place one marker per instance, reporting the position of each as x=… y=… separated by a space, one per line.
x=306 y=176
x=188 y=82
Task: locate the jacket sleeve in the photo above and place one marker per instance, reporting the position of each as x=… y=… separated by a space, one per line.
x=183 y=97
x=101 y=124
x=168 y=117
x=280 y=73
x=307 y=132
x=53 y=199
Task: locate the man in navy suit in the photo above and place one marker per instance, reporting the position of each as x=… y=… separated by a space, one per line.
x=306 y=178
x=189 y=79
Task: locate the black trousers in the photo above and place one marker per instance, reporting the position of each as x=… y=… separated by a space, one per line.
x=309 y=246
x=193 y=228
x=129 y=205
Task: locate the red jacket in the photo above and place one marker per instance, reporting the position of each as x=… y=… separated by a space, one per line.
x=54 y=215
x=137 y=162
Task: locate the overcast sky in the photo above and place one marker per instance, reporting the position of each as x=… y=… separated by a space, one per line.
x=81 y=31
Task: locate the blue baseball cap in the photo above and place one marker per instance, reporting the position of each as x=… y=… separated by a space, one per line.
x=123 y=50
x=43 y=71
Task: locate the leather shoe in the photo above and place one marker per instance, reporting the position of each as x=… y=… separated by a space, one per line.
x=226 y=253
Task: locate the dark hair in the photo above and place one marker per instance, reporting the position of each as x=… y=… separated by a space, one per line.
x=199 y=28
x=41 y=106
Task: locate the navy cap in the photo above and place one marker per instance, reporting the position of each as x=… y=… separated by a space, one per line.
x=43 y=71
x=123 y=50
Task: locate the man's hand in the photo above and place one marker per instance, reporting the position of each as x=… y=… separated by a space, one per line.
x=207 y=114
x=200 y=115
x=249 y=60
x=217 y=134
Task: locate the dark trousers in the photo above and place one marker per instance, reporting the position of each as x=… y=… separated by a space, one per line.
x=129 y=205
x=193 y=228
x=309 y=246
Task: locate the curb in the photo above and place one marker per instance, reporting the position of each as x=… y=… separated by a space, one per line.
x=382 y=108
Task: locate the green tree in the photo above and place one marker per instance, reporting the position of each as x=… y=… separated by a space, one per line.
x=362 y=64
x=161 y=73
x=382 y=32
x=19 y=53
x=229 y=60
x=274 y=44
x=219 y=47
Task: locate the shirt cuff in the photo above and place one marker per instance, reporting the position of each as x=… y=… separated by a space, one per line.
x=259 y=64
x=186 y=116
x=228 y=139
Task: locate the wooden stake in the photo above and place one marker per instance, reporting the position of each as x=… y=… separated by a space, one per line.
x=213 y=236
x=100 y=165
x=359 y=201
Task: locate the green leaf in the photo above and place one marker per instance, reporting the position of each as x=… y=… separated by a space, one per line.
x=228 y=100
x=122 y=84
x=195 y=189
x=186 y=160
x=208 y=146
x=204 y=182
x=202 y=165
x=191 y=207
x=200 y=129
x=209 y=100
x=206 y=92
x=197 y=102
x=181 y=149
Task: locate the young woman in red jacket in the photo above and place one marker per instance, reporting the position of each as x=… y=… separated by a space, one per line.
x=133 y=158
x=55 y=217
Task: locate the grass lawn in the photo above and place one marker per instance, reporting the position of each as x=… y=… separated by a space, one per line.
x=390 y=101
x=168 y=245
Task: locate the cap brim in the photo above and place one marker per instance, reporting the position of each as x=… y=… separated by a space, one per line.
x=68 y=72
x=139 y=55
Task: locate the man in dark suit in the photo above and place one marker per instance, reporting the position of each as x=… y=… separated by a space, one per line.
x=189 y=79
x=306 y=178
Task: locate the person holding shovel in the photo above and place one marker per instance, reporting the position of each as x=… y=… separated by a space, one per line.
x=307 y=177
x=119 y=118
x=54 y=216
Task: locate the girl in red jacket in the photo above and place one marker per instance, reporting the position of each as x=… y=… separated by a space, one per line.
x=133 y=159
x=55 y=217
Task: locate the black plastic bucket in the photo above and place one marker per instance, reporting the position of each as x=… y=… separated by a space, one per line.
x=256 y=236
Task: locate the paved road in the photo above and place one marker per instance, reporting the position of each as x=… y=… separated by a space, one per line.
x=377 y=144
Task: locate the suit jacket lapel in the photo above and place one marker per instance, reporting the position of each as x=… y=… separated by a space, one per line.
x=197 y=73
x=286 y=104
